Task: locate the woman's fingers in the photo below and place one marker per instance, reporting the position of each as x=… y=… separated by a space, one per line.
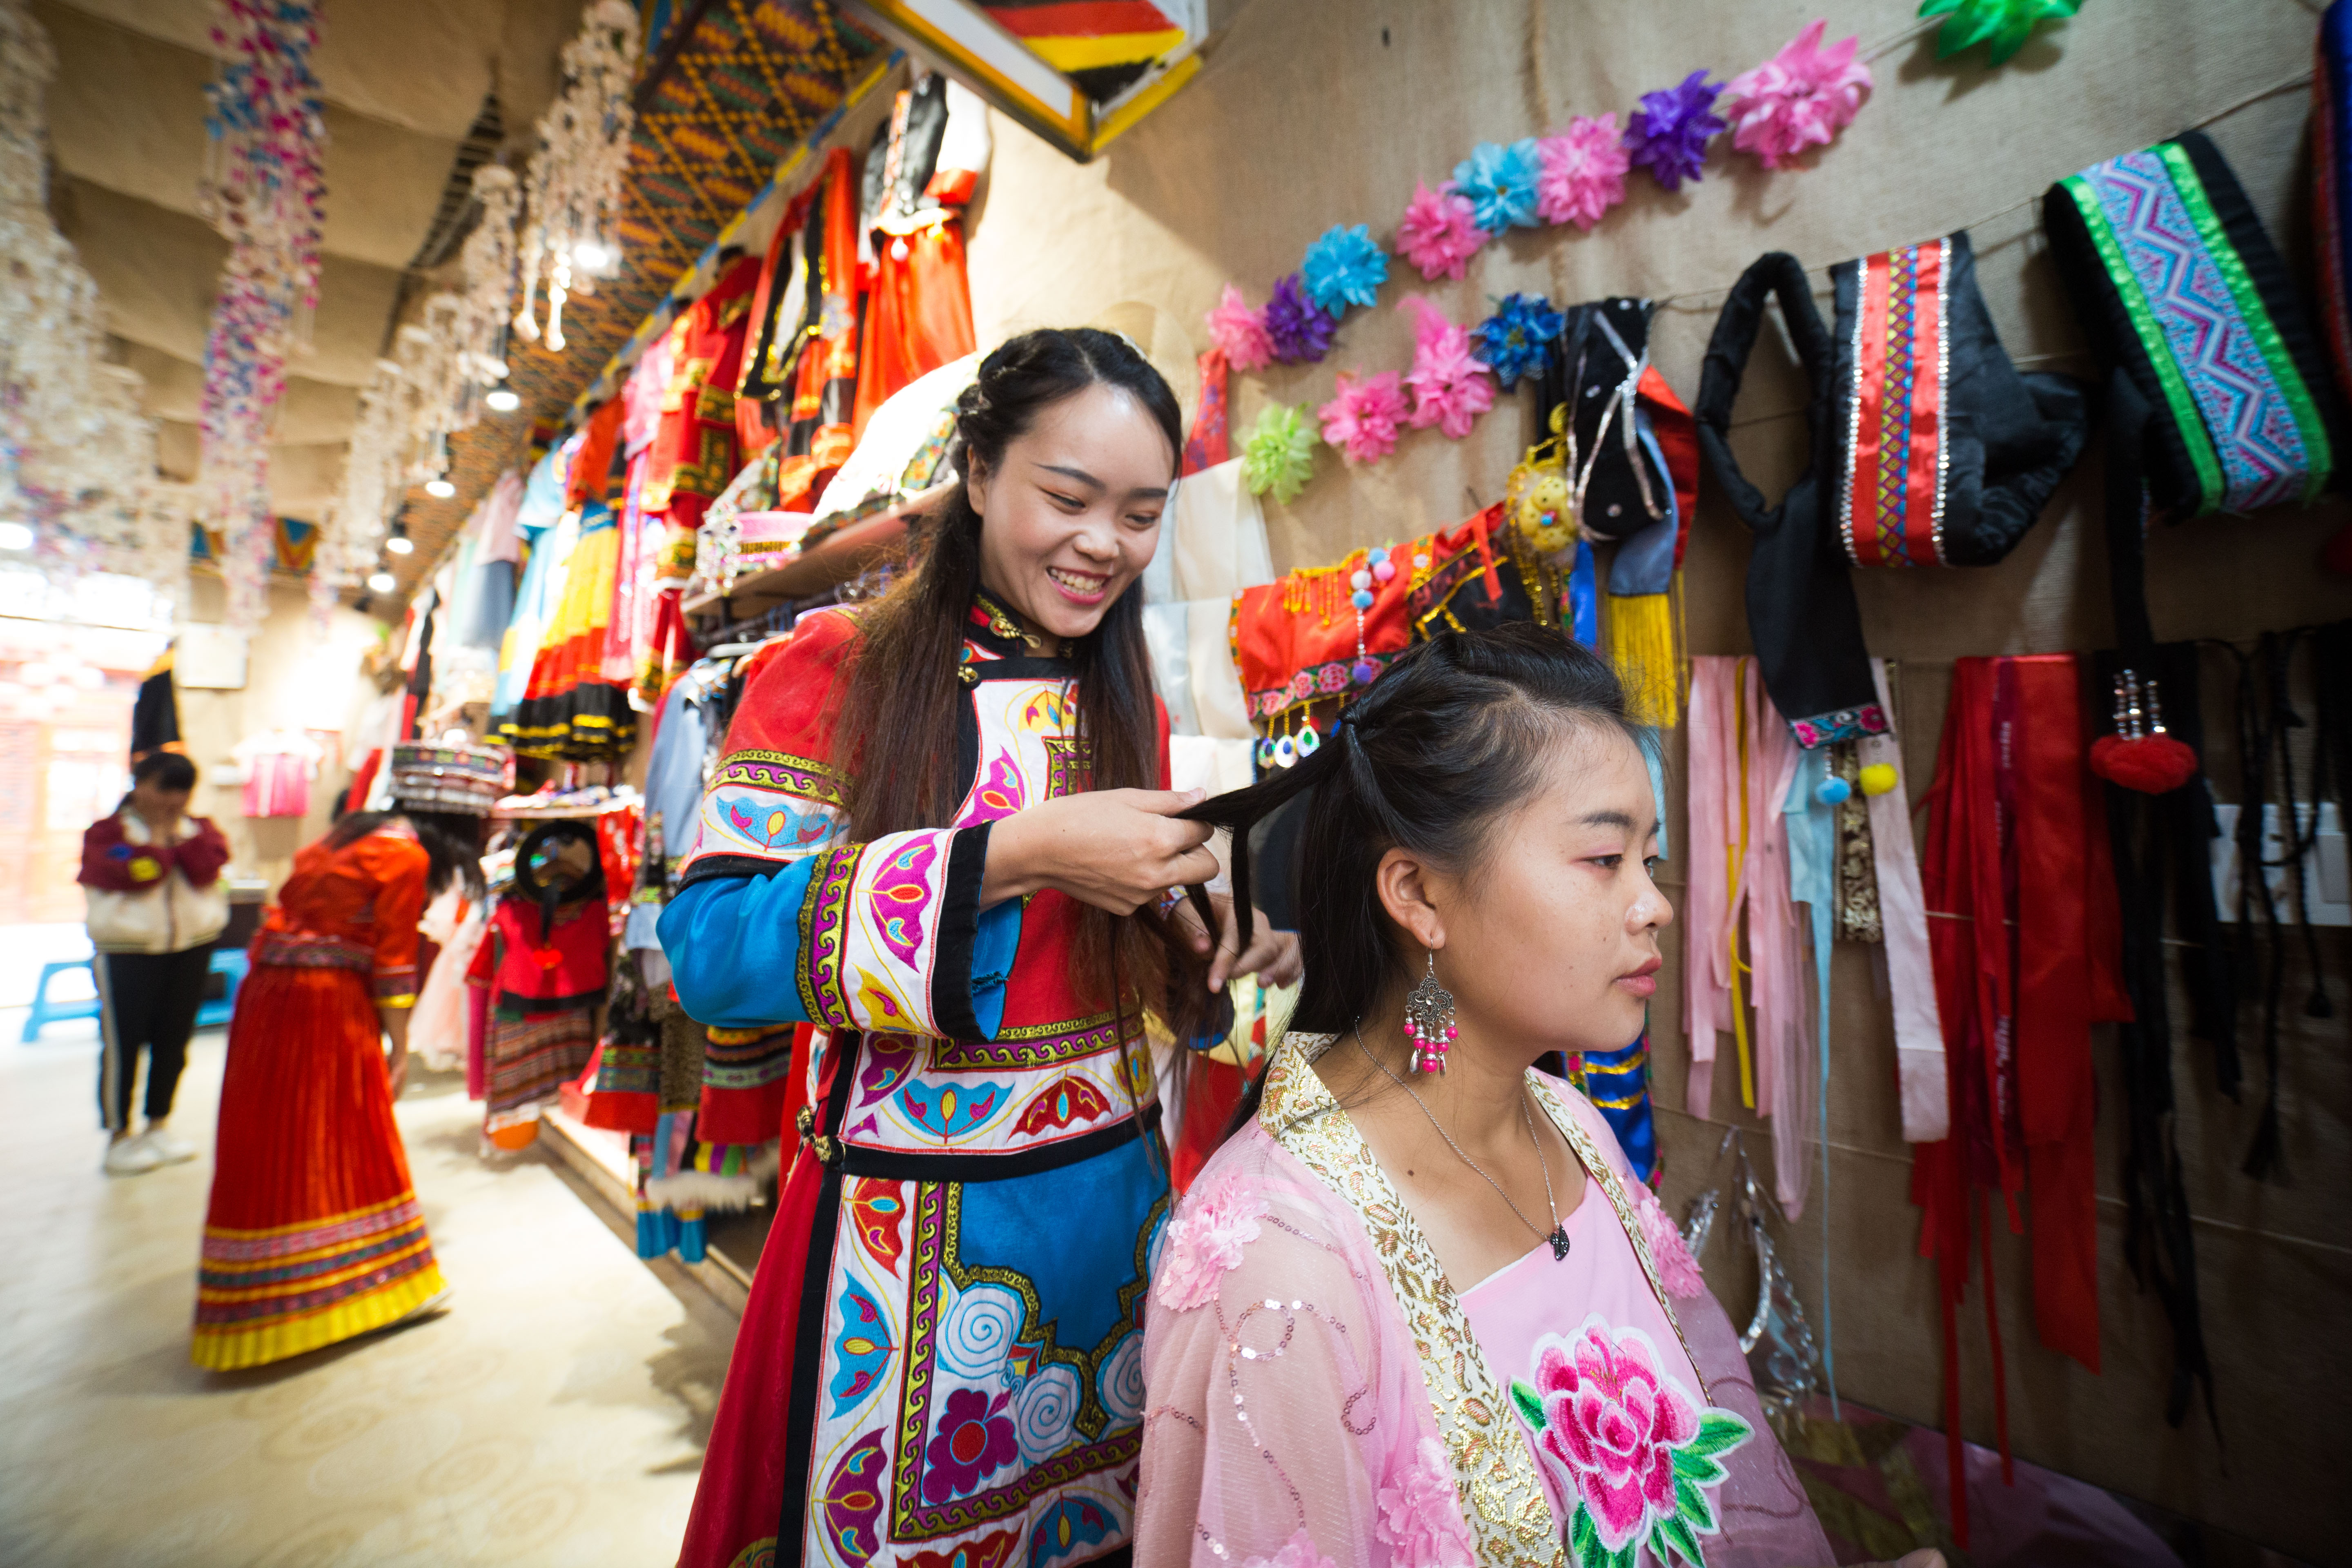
x=1224 y=966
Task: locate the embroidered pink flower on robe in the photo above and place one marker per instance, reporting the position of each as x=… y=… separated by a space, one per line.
x=1241 y=332
x=1621 y=1438
x=1420 y=1512
x=1678 y=1271
x=1205 y=1240
x=1584 y=173
x=1439 y=232
x=1450 y=386
x=1362 y=420
x=1298 y=1551
x=1801 y=98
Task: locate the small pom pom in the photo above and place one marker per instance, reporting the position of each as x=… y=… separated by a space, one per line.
x=1359 y=580
x=1832 y=791
x=1361 y=598
x=2153 y=764
x=1879 y=778
x=1377 y=555
x=1365 y=671
x=1382 y=570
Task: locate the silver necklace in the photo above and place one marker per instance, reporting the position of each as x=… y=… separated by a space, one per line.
x=1558 y=1236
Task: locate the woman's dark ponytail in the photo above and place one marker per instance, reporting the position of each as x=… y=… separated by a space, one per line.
x=1450 y=737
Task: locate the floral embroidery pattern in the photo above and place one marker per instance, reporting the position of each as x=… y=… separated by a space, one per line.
x=900 y=895
x=1298 y=1551
x=1421 y=1515
x=1632 y=1450
x=1203 y=1241
x=975 y=1439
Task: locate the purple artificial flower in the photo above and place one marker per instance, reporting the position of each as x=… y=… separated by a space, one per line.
x=1301 y=333
x=1667 y=132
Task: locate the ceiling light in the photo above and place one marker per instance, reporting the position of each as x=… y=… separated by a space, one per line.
x=440 y=490
x=400 y=543
x=15 y=536
x=592 y=255
x=383 y=581
x=501 y=400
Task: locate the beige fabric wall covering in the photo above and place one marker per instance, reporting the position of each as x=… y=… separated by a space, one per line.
x=1305 y=116
x=310 y=412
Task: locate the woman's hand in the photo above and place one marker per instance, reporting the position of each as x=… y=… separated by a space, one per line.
x=396 y=1027
x=1114 y=848
x=1272 y=956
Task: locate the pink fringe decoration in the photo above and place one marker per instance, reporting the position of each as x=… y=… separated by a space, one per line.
x=1362 y=420
x=1583 y=171
x=1801 y=98
x=1438 y=233
x=1241 y=332
x=1450 y=386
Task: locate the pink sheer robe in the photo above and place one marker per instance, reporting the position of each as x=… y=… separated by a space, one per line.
x=1316 y=1392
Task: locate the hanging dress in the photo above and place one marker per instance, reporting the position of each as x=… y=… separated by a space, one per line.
x=941 y=1358
x=1317 y=1390
x=314 y=1233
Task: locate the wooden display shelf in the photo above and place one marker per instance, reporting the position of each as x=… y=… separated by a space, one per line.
x=828 y=564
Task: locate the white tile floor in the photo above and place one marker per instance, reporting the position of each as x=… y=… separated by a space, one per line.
x=556 y=1416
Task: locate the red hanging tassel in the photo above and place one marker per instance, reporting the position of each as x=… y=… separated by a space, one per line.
x=2139 y=755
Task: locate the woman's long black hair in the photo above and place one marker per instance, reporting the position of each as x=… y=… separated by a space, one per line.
x=1450 y=737
x=452 y=841
x=901 y=684
x=170 y=770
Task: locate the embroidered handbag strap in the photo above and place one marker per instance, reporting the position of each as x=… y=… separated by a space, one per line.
x=1890 y=497
x=2251 y=426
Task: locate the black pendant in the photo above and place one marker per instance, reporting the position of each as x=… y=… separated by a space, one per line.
x=1559 y=1239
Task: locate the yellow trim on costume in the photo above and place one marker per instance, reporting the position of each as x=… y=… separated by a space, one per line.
x=345 y=1218
x=407 y=1000
x=227 y=1350
x=1076 y=54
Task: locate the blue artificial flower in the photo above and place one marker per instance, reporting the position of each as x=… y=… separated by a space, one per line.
x=1344 y=267
x=1516 y=340
x=1500 y=182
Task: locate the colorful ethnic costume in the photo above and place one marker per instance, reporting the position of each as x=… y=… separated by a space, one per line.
x=941 y=1359
x=314 y=1234
x=1318 y=1390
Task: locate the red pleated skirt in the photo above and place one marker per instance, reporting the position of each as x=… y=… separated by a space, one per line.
x=314 y=1233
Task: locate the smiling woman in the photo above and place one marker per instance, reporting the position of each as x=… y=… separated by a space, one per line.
x=971 y=897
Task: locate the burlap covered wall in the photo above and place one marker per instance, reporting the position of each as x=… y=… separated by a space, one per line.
x=1316 y=111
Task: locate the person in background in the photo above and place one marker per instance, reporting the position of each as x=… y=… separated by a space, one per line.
x=314 y=1234
x=157 y=904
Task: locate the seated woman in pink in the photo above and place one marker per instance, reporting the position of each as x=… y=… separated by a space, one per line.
x=1417 y=1311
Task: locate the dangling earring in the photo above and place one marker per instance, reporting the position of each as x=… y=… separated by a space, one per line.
x=1429 y=1021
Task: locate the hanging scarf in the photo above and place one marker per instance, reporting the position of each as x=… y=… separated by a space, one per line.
x=1929 y=449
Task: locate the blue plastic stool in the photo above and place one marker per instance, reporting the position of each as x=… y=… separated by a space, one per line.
x=230 y=964
x=48 y=1012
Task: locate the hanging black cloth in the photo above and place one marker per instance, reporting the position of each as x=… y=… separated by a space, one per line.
x=155 y=711
x=1926 y=448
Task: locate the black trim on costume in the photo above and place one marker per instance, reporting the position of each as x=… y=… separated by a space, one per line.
x=952 y=1013
x=1022 y=667
x=727 y=866
x=808 y=1353
x=892 y=1166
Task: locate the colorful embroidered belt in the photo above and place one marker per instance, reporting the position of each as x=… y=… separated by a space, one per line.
x=2194 y=296
x=1891 y=504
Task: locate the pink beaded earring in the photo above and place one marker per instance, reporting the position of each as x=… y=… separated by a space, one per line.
x=1429 y=1021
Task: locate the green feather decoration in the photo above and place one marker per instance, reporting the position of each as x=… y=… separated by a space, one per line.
x=1280 y=453
x=2003 y=23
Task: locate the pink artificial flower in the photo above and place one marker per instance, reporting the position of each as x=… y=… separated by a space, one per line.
x=1801 y=98
x=1451 y=385
x=1204 y=1239
x=1677 y=1269
x=1420 y=1515
x=1583 y=171
x=1439 y=232
x=1298 y=1551
x=1241 y=332
x=1612 y=1423
x=1362 y=420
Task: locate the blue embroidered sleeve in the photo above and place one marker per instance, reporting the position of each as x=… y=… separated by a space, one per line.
x=734 y=946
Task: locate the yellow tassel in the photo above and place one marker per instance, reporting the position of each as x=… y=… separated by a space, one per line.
x=1642 y=646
